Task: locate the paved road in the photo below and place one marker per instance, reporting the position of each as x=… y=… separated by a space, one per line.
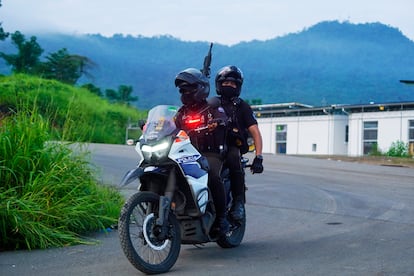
x=305 y=217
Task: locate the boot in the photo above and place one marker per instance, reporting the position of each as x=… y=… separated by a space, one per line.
x=223 y=225
x=237 y=211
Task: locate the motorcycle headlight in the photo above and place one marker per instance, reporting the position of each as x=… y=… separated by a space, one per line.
x=156 y=151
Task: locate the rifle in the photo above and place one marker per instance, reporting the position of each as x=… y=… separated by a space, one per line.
x=207 y=62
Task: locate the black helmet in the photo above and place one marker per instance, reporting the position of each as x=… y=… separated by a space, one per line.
x=229 y=73
x=193 y=86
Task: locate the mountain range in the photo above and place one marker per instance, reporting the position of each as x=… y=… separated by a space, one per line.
x=328 y=63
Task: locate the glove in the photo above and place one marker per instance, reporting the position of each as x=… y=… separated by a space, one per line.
x=212 y=126
x=257 y=166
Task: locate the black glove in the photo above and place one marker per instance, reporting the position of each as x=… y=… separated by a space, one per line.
x=257 y=166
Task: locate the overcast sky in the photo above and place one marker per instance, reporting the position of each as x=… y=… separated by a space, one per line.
x=219 y=21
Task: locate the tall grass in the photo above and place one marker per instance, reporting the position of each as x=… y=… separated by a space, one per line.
x=75 y=113
x=48 y=193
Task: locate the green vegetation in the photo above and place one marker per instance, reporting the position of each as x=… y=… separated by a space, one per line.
x=49 y=195
x=61 y=66
x=27 y=58
x=65 y=67
x=3 y=34
x=375 y=151
x=328 y=63
x=397 y=149
x=76 y=114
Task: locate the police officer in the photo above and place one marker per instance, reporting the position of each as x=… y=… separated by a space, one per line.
x=195 y=113
x=229 y=81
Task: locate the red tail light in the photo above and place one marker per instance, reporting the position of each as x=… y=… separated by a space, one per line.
x=193 y=121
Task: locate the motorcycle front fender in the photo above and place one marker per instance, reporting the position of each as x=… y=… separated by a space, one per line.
x=131 y=175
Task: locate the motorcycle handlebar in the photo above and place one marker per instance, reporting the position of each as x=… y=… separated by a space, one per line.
x=218 y=121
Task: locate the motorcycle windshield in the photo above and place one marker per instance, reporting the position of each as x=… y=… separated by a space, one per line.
x=160 y=122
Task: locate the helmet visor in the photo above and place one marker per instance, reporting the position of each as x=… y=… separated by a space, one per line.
x=188 y=88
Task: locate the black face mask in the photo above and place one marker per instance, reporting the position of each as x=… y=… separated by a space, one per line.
x=188 y=99
x=229 y=92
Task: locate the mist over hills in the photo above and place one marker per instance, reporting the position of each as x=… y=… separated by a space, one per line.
x=329 y=63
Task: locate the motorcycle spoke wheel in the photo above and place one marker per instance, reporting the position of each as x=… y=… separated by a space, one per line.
x=139 y=235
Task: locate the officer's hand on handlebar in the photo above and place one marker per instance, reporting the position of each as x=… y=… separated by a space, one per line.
x=212 y=126
x=257 y=166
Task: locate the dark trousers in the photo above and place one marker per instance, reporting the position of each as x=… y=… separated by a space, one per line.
x=215 y=183
x=236 y=173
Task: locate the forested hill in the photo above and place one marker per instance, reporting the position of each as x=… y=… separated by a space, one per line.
x=328 y=63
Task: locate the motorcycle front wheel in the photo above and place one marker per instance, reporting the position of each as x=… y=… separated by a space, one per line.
x=139 y=235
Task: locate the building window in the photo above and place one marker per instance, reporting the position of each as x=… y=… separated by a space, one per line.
x=281 y=138
x=411 y=136
x=346 y=133
x=370 y=137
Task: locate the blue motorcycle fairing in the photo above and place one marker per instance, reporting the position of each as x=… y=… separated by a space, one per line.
x=195 y=166
x=131 y=175
x=193 y=169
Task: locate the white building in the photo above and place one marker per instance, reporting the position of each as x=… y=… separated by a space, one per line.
x=353 y=130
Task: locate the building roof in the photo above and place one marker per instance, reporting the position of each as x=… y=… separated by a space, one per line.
x=298 y=109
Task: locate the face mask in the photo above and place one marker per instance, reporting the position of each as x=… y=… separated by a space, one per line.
x=229 y=92
x=187 y=99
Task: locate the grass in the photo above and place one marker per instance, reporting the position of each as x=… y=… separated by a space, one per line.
x=49 y=196
x=75 y=113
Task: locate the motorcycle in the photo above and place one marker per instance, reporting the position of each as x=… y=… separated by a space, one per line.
x=173 y=205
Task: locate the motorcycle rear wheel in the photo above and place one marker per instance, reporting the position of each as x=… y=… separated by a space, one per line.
x=138 y=235
x=235 y=237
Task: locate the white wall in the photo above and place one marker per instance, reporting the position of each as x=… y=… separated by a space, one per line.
x=314 y=131
x=392 y=127
x=326 y=132
x=266 y=129
x=355 y=134
x=339 y=145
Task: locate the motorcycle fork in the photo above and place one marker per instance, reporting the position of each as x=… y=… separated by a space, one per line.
x=165 y=204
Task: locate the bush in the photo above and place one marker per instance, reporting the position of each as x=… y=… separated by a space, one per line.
x=398 y=149
x=48 y=194
x=375 y=150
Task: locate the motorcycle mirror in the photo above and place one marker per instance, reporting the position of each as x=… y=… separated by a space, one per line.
x=141 y=124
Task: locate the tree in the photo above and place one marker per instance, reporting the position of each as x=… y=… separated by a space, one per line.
x=27 y=58
x=92 y=88
x=3 y=34
x=65 y=67
x=111 y=95
x=123 y=95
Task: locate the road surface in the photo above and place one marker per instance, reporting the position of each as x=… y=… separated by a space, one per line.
x=304 y=217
